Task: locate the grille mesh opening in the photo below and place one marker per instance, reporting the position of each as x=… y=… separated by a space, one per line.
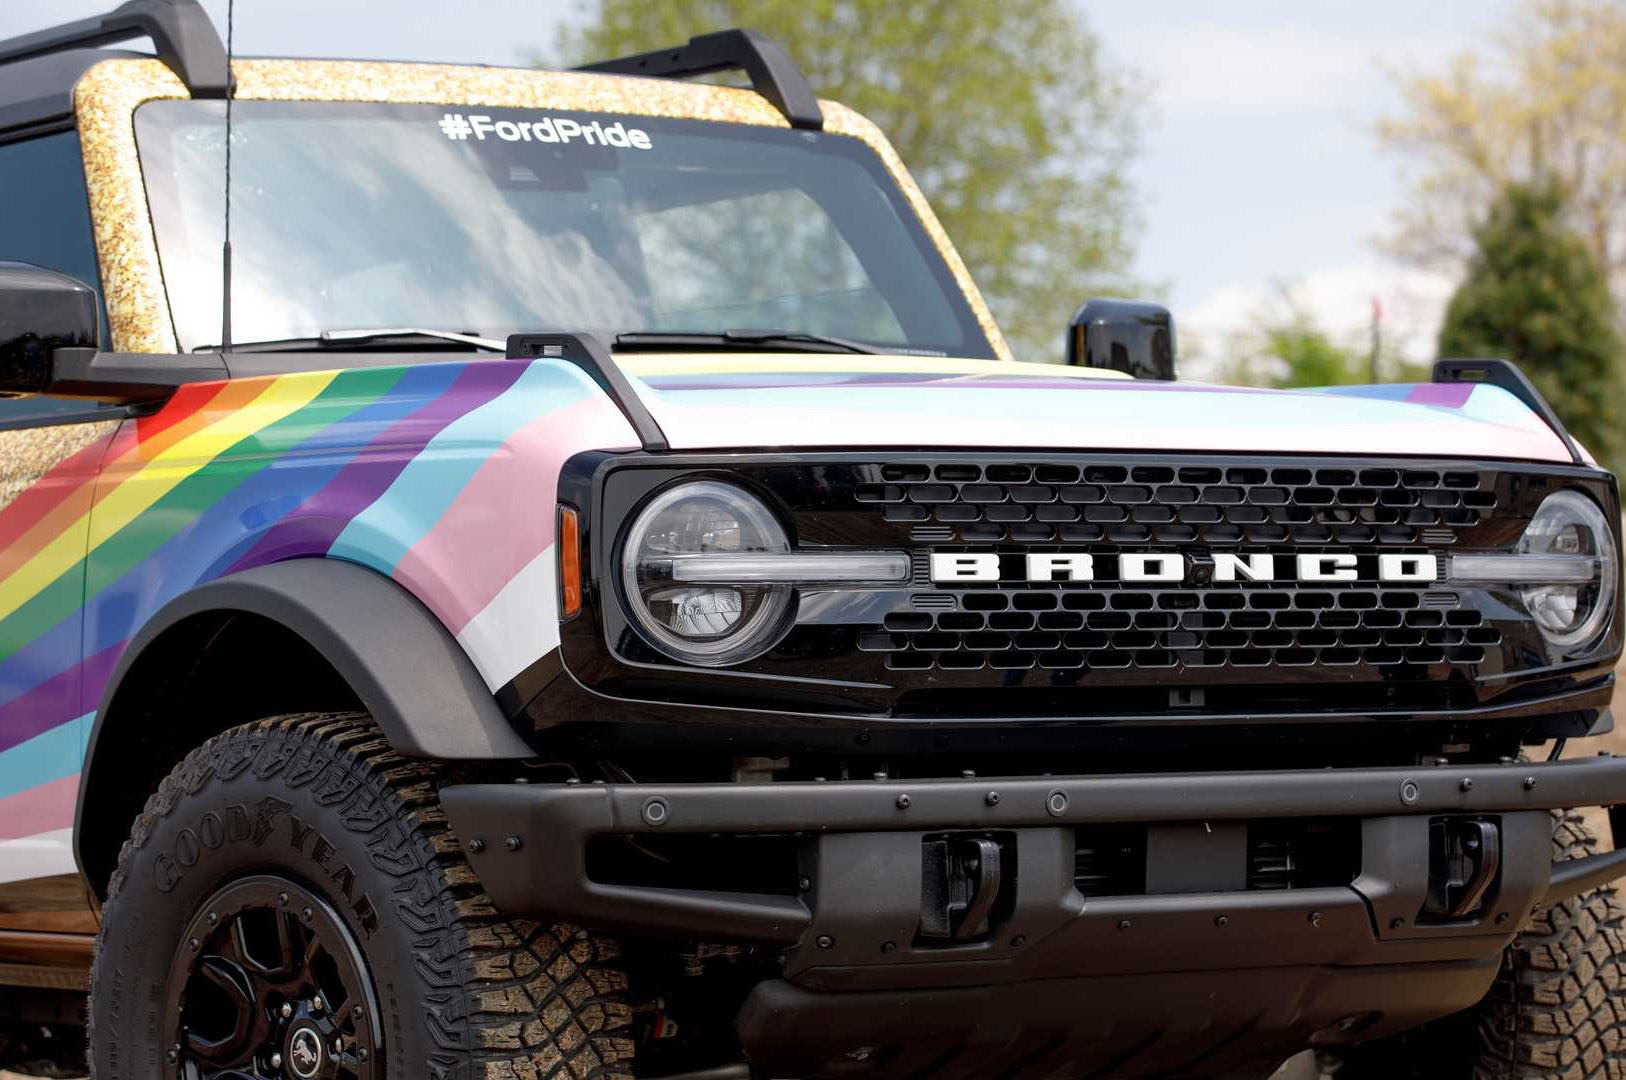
x=1164 y=504
x=1060 y=629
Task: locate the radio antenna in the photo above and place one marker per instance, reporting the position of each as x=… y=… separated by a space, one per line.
x=225 y=248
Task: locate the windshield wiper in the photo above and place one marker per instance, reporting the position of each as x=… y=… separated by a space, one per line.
x=762 y=340
x=393 y=337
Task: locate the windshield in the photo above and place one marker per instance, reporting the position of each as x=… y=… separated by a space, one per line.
x=490 y=221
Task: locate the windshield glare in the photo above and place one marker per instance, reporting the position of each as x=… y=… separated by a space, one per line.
x=348 y=215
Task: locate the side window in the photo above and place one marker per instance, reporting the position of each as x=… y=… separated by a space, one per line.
x=45 y=220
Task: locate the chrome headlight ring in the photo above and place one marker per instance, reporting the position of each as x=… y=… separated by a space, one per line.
x=709 y=576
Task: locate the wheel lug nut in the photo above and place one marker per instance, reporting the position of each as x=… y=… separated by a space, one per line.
x=338 y=1046
x=171 y=1055
x=307 y=914
x=316 y=1003
x=287 y=1010
x=276 y=1061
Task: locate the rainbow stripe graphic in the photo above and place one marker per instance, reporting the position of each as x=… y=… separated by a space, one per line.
x=442 y=476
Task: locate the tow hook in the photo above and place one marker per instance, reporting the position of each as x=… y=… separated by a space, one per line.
x=1464 y=855
x=960 y=883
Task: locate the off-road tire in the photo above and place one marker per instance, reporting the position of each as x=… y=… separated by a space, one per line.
x=1557 y=1010
x=464 y=992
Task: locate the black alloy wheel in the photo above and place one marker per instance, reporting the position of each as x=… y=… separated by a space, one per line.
x=269 y=983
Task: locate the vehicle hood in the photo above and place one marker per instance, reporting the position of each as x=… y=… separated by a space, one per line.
x=781 y=401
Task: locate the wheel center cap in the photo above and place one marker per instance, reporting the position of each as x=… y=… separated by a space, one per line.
x=305 y=1053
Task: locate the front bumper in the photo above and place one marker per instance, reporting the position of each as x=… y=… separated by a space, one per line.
x=1332 y=964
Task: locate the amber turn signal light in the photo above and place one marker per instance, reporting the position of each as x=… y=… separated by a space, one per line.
x=570 y=563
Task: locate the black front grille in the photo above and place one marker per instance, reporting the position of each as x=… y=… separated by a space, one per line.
x=1108 y=627
x=1123 y=628
x=1211 y=504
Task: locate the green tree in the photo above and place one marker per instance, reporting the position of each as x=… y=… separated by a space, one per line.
x=1535 y=294
x=1010 y=117
x=1545 y=97
x=1285 y=347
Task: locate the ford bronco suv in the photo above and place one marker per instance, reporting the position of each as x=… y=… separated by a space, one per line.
x=536 y=574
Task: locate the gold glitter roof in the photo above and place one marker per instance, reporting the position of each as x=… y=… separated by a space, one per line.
x=110 y=92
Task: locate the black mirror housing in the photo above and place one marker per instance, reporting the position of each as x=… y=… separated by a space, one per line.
x=41 y=311
x=1133 y=336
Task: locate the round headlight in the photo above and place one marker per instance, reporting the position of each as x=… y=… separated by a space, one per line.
x=706 y=624
x=1571 y=614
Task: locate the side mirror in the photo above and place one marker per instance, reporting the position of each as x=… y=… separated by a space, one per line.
x=1133 y=336
x=40 y=311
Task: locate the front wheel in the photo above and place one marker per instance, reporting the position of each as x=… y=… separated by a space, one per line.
x=291 y=903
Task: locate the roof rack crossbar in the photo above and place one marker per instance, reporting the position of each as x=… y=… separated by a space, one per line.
x=772 y=72
x=180 y=30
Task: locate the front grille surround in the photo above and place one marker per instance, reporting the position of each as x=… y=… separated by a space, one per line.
x=1034 y=649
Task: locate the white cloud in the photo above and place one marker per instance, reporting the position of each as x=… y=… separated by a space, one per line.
x=1337 y=299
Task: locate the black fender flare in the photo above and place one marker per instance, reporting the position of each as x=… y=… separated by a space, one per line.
x=399 y=660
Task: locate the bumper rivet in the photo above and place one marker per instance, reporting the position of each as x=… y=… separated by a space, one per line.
x=889 y=946
x=1467 y=783
x=1123 y=924
x=1315 y=918
x=1501 y=917
x=825 y=941
x=1396 y=923
x=1529 y=783
x=903 y=801
x=1221 y=921
x=477 y=845
x=656 y=812
x=1408 y=792
x=992 y=798
x=513 y=843
x=1057 y=803
x=1018 y=941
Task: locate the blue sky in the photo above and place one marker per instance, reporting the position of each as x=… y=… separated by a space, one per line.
x=1258 y=166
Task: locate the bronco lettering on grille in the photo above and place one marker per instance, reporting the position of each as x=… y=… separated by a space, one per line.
x=1175 y=568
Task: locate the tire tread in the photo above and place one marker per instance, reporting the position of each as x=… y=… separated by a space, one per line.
x=508 y=999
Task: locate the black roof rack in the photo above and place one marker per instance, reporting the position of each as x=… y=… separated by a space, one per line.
x=772 y=72
x=180 y=30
